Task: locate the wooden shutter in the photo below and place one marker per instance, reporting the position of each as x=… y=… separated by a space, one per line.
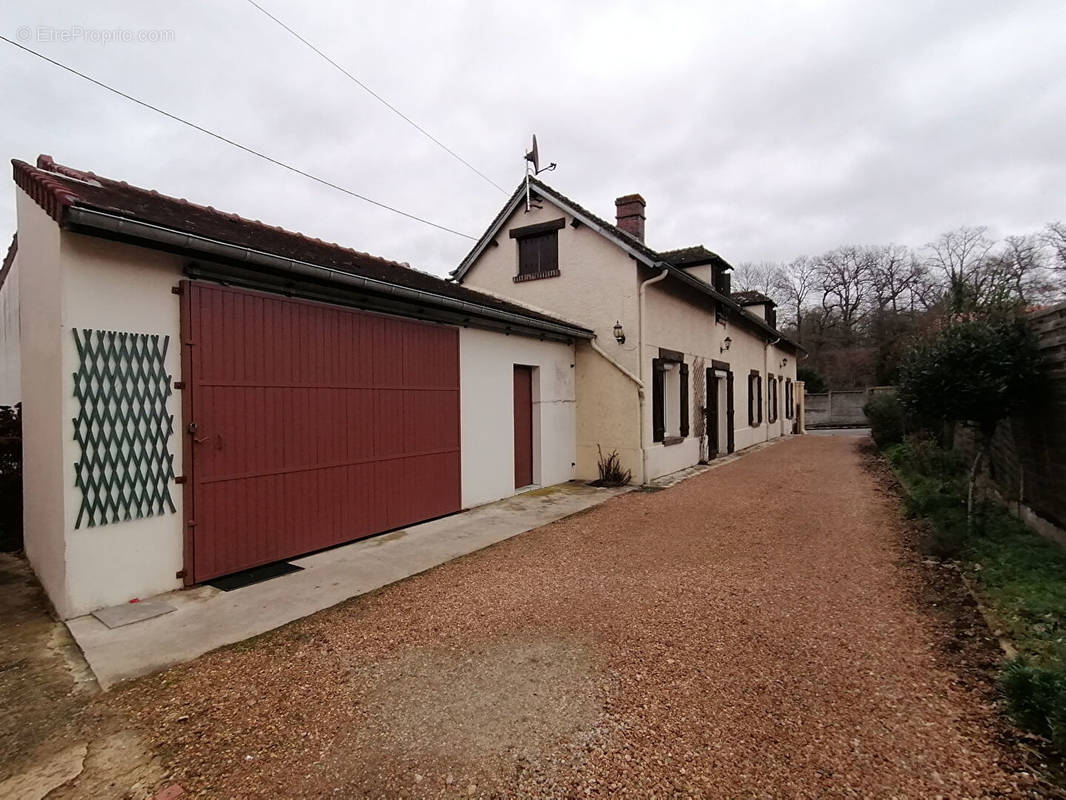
x=658 y=410
x=684 y=399
x=751 y=400
x=538 y=255
x=729 y=411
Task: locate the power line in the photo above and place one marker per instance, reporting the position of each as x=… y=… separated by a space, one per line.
x=238 y=145
x=382 y=100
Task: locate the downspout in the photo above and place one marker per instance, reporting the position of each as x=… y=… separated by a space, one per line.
x=640 y=370
x=766 y=372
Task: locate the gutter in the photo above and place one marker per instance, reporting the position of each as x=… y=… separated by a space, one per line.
x=115 y=226
x=640 y=351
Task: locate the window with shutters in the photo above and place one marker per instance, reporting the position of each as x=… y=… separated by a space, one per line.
x=538 y=250
x=788 y=398
x=771 y=398
x=670 y=397
x=754 y=398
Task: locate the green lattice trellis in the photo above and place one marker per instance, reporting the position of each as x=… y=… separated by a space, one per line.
x=122 y=426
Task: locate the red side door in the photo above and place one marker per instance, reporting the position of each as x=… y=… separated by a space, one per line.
x=523 y=426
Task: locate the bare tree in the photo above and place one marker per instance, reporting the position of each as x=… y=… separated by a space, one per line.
x=796 y=283
x=1016 y=274
x=1054 y=237
x=959 y=256
x=749 y=276
x=895 y=277
x=845 y=284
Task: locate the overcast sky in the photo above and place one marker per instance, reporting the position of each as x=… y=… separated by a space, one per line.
x=761 y=130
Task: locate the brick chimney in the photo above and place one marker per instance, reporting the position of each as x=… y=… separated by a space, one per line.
x=629 y=211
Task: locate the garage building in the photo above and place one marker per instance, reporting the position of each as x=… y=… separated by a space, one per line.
x=203 y=394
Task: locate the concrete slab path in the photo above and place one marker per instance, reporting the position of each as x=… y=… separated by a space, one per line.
x=206 y=618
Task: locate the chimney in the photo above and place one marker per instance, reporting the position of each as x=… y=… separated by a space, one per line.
x=629 y=211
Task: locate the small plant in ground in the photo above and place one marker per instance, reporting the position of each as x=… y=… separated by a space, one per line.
x=886 y=419
x=610 y=468
x=1037 y=699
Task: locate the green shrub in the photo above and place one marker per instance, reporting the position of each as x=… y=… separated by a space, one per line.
x=813 y=382
x=886 y=419
x=1037 y=699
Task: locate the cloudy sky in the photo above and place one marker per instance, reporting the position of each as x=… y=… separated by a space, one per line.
x=761 y=129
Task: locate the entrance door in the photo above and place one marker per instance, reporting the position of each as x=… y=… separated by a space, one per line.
x=310 y=425
x=523 y=426
x=713 y=413
x=719 y=412
x=731 y=426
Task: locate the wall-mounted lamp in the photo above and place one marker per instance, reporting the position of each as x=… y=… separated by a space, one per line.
x=619 y=333
x=784 y=361
x=725 y=344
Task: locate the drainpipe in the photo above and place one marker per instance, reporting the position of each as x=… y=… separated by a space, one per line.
x=640 y=362
x=766 y=372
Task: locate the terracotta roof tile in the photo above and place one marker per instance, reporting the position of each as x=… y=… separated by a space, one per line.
x=56 y=187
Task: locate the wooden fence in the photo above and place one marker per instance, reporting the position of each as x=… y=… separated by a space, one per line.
x=1028 y=456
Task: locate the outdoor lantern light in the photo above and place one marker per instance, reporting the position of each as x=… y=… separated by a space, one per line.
x=784 y=361
x=619 y=333
x=725 y=344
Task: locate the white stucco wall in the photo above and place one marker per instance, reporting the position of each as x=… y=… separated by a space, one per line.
x=679 y=319
x=10 y=365
x=112 y=286
x=596 y=286
x=486 y=364
x=599 y=285
x=43 y=407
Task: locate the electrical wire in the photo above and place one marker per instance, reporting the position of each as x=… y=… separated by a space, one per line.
x=238 y=145
x=381 y=99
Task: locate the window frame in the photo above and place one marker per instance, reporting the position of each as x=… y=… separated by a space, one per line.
x=660 y=401
x=755 y=416
x=545 y=237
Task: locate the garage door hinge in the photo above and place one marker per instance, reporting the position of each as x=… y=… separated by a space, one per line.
x=179 y=384
x=179 y=479
x=191 y=523
x=176 y=290
x=179 y=574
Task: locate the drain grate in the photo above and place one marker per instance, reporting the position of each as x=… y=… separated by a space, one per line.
x=238 y=580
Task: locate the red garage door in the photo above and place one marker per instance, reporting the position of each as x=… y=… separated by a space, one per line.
x=311 y=425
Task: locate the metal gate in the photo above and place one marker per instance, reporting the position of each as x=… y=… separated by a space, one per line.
x=309 y=425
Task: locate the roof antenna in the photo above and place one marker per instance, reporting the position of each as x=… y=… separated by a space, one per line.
x=533 y=167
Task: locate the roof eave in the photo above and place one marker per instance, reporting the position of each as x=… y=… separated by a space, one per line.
x=106 y=224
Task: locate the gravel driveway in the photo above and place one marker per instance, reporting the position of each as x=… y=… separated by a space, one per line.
x=752 y=632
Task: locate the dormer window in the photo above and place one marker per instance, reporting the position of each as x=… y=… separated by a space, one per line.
x=538 y=250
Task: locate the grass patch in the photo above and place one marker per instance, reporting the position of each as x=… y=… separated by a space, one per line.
x=1020 y=575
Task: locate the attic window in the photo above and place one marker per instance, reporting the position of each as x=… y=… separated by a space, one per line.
x=538 y=250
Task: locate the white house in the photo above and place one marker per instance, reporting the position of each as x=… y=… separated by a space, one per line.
x=679 y=371
x=203 y=393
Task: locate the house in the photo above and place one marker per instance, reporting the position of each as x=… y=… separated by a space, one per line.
x=680 y=370
x=204 y=393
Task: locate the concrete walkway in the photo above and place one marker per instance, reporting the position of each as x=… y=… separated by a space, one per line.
x=206 y=618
